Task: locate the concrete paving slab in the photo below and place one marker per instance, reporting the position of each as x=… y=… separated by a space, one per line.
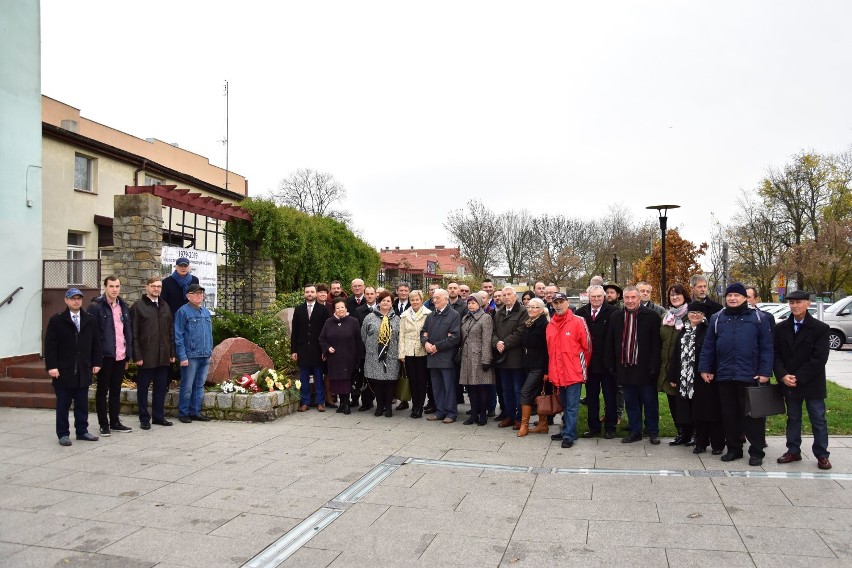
x=775 y=560
x=84 y=506
x=693 y=513
x=447 y=549
x=549 y=508
x=447 y=500
x=778 y=540
x=38 y=557
x=309 y=557
x=792 y=517
x=448 y=522
x=178 y=493
x=621 y=533
x=24 y=527
x=570 y=531
x=683 y=558
x=90 y=536
x=742 y=496
x=262 y=530
x=31 y=499
x=840 y=541
x=115 y=486
x=186 y=518
x=550 y=554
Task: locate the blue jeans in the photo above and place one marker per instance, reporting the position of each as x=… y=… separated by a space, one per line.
x=319 y=384
x=192 y=379
x=816 y=413
x=639 y=398
x=444 y=387
x=512 y=381
x=570 y=398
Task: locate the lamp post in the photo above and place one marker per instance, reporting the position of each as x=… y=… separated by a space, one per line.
x=662 y=210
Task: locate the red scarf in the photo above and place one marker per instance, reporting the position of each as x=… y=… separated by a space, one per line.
x=630 y=339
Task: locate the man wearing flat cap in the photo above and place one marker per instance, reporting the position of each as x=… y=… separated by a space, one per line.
x=72 y=354
x=738 y=353
x=176 y=285
x=801 y=352
x=194 y=346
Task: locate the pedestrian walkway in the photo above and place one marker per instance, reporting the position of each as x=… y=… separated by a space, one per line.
x=333 y=490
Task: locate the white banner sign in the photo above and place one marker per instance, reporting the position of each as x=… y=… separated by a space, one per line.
x=202 y=265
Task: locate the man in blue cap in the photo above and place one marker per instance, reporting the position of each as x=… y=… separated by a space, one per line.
x=177 y=284
x=72 y=354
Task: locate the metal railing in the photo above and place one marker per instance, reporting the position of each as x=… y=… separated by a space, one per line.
x=8 y=299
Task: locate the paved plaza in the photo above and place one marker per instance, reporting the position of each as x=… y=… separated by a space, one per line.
x=327 y=489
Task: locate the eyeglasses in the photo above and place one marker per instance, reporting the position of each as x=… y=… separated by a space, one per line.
x=533 y=308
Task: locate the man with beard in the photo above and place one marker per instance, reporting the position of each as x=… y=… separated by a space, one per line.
x=456 y=301
x=614 y=294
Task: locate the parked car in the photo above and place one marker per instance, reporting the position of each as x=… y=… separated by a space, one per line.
x=783 y=312
x=838 y=316
x=769 y=306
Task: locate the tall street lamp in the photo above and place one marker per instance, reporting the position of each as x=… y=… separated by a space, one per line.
x=662 y=210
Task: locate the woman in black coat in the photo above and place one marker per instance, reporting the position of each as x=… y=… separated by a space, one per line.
x=534 y=343
x=340 y=341
x=697 y=400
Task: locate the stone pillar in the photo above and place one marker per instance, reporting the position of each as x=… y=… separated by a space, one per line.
x=249 y=289
x=263 y=273
x=137 y=232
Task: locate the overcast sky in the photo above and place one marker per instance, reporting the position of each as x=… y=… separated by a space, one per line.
x=560 y=107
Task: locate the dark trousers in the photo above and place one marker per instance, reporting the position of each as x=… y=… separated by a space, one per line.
x=64 y=397
x=819 y=427
x=418 y=377
x=459 y=387
x=478 y=395
x=684 y=428
x=364 y=389
x=595 y=384
x=444 y=384
x=512 y=381
x=109 y=385
x=732 y=396
x=639 y=399
x=532 y=386
x=384 y=391
x=159 y=376
x=709 y=433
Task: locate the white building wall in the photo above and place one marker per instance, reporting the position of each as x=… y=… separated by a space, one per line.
x=20 y=177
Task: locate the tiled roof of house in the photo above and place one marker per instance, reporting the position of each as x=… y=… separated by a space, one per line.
x=416 y=260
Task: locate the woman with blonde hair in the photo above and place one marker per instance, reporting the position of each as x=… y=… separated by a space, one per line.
x=534 y=342
x=411 y=351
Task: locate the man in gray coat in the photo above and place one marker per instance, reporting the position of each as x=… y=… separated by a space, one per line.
x=440 y=337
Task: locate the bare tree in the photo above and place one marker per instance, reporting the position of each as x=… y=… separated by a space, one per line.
x=477 y=231
x=517 y=241
x=314 y=193
x=756 y=245
x=558 y=260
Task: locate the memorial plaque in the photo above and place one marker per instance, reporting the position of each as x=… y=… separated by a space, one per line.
x=243 y=364
x=235 y=357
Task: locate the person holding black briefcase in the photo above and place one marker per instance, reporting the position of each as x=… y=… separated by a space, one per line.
x=801 y=352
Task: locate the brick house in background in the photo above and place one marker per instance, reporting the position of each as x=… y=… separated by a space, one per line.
x=420 y=267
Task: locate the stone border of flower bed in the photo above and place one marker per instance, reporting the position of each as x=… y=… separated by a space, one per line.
x=258 y=407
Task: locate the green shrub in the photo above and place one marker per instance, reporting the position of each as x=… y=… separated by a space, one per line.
x=263 y=328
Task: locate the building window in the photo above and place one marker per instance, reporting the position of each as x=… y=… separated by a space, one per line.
x=75 y=250
x=84 y=173
x=154 y=181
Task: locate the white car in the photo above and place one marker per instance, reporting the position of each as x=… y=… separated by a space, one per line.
x=839 y=318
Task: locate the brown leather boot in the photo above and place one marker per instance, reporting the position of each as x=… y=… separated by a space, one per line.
x=542 y=425
x=526 y=412
x=506 y=422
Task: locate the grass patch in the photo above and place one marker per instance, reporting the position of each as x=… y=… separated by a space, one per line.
x=838 y=407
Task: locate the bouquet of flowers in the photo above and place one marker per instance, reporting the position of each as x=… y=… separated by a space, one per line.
x=268 y=380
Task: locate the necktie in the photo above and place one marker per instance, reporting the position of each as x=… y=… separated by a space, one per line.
x=310 y=309
x=76 y=319
x=796 y=325
x=594 y=314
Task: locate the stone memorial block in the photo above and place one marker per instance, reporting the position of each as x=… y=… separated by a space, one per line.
x=236 y=356
x=286 y=316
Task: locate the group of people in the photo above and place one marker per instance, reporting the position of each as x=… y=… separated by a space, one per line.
x=497 y=348
x=168 y=324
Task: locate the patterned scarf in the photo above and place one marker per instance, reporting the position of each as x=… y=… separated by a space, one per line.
x=384 y=341
x=674 y=317
x=630 y=339
x=687 y=362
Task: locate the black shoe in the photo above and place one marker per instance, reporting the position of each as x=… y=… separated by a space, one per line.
x=331 y=405
x=499 y=418
x=755 y=461
x=339 y=410
x=185 y=419
x=365 y=407
x=716 y=452
x=483 y=420
x=584 y=401
x=429 y=410
x=104 y=431
x=632 y=437
x=655 y=440
x=689 y=440
x=87 y=437
x=469 y=421
x=468 y=412
x=388 y=411
x=591 y=434
x=162 y=422
x=678 y=441
x=550 y=420
x=555 y=437
x=609 y=434
x=346 y=408
x=353 y=402
x=699 y=450
x=731 y=456
x=379 y=411
x=416 y=413
x=199 y=418
x=119 y=427
x=402 y=405
x=490 y=414
x=567 y=443
x=145 y=425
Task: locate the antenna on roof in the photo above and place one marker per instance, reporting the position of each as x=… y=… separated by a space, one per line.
x=225 y=140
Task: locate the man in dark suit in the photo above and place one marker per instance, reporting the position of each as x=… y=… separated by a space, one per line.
x=801 y=352
x=597 y=314
x=72 y=354
x=633 y=352
x=360 y=388
x=357 y=299
x=308 y=319
x=401 y=303
x=698 y=283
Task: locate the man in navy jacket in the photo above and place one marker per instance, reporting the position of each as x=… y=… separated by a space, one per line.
x=738 y=353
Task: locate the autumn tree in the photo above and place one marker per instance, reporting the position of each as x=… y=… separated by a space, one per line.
x=756 y=245
x=314 y=193
x=681 y=261
x=477 y=231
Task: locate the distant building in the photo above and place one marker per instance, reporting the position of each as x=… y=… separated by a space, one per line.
x=421 y=266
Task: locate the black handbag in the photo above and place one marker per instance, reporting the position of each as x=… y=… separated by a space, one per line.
x=764 y=400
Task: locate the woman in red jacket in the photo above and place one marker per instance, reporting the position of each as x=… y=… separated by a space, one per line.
x=569 y=349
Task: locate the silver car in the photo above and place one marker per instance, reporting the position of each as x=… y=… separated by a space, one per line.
x=838 y=316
